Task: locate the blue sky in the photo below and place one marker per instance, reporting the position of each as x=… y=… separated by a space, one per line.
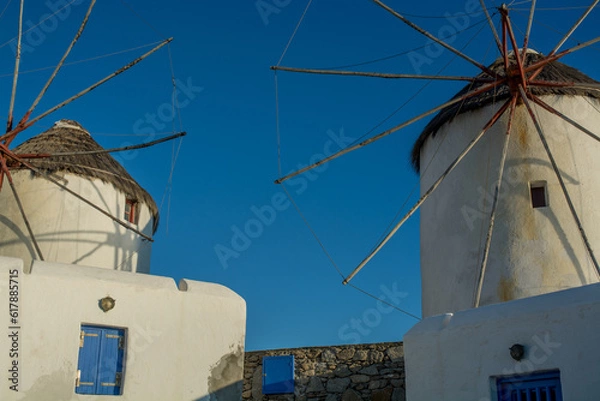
x=223 y=181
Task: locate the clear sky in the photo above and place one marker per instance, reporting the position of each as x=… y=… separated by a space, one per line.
x=223 y=219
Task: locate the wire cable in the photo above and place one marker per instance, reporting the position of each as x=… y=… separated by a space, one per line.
x=277 y=126
x=145 y=21
x=84 y=60
x=377 y=60
x=417 y=184
x=553 y=29
x=328 y=255
x=294 y=33
x=39 y=23
x=5 y=8
x=553 y=8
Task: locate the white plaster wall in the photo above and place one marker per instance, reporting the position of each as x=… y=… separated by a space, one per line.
x=70 y=231
x=182 y=344
x=533 y=251
x=457 y=357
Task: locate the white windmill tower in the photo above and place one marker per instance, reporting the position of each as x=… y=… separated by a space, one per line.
x=67 y=229
x=545 y=220
x=65 y=199
x=511 y=298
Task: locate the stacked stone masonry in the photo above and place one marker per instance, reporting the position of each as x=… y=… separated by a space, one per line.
x=372 y=372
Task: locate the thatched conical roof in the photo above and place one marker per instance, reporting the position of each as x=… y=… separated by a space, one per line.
x=555 y=72
x=70 y=136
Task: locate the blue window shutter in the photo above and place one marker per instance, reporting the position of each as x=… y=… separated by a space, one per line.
x=110 y=368
x=535 y=386
x=278 y=374
x=100 y=366
x=89 y=354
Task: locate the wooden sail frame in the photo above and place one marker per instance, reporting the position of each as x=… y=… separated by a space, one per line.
x=24 y=161
x=518 y=77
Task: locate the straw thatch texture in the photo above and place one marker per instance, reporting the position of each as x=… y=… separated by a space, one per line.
x=555 y=72
x=70 y=136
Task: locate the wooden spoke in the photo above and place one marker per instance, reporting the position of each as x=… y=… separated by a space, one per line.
x=539 y=66
x=342 y=152
x=491 y=23
x=573 y=28
x=59 y=65
x=438 y=41
x=426 y=195
x=9 y=122
x=588 y=85
x=513 y=41
x=6 y=172
x=488 y=239
x=381 y=75
x=528 y=30
x=574 y=123
x=540 y=132
x=103 y=151
x=10 y=135
x=505 y=45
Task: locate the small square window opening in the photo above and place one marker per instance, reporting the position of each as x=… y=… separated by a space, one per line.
x=131 y=211
x=539 y=194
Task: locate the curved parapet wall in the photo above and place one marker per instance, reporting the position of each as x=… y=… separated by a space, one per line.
x=533 y=250
x=185 y=345
x=463 y=356
x=70 y=231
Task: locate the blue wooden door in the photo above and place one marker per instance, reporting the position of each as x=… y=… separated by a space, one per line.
x=278 y=374
x=100 y=366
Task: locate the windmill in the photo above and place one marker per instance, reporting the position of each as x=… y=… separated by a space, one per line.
x=58 y=167
x=522 y=107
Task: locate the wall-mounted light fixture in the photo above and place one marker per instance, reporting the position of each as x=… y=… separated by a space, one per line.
x=107 y=303
x=517 y=352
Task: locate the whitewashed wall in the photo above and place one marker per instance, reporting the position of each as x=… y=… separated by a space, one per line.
x=184 y=344
x=70 y=231
x=533 y=251
x=457 y=357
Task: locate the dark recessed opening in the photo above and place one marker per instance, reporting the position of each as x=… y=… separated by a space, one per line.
x=539 y=197
x=131 y=211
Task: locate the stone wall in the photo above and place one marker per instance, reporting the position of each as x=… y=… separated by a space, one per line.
x=340 y=373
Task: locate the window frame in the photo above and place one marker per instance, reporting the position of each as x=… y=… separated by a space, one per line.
x=535 y=381
x=132 y=215
x=537 y=186
x=101 y=366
